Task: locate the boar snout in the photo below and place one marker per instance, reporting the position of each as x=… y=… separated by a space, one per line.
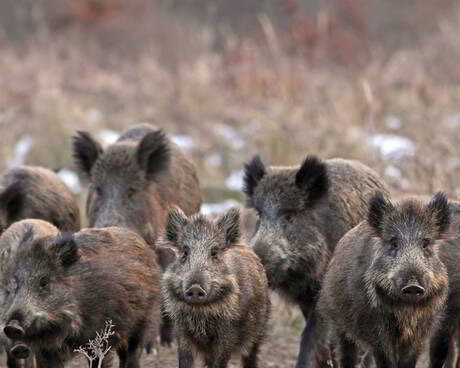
x=413 y=292
x=20 y=351
x=195 y=294
x=14 y=330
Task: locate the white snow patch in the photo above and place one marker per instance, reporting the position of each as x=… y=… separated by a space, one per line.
x=235 y=180
x=71 y=179
x=216 y=208
x=94 y=115
x=21 y=149
x=392 y=146
x=393 y=172
x=108 y=136
x=232 y=137
x=183 y=142
x=214 y=160
x=393 y=122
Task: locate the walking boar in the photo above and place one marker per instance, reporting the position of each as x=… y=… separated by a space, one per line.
x=58 y=291
x=136 y=179
x=386 y=286
x=303 y=212
x=216 y=291
x=37 y=192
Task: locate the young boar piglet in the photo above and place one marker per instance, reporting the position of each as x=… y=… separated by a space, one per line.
x=216 y=291
x=386 y=286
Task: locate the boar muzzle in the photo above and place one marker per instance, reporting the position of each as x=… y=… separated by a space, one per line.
x=20 y=351
x=14 y=330
x=413 y=292
x=195 y=294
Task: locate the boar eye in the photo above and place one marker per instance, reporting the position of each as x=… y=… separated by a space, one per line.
x=130 y=192
x=426 y=242
x=98 y=190
x=44 y=282
x=394 y=242
x=214 y=252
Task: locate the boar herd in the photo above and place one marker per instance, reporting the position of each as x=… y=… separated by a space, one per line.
x=377 y=280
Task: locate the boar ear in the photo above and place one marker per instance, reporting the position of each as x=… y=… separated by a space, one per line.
x=229 y=222
x=66 y=250
x=439 y=207
x=12 y=199
x=165 y=256
x=253 y=172
x=153 y=154
x=378 y=208
x=86 y=150
x=312 y=178
x=176 y=220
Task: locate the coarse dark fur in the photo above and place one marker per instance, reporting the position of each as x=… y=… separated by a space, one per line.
x=303 y=212
x=63 y=288
x=364 y=297
x=134 y=181
x=37 y=192
x=232 y=317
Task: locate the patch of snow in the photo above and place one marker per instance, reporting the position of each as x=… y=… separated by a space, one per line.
x=393 y=122
x=214 y=160
x=453 y=121
x=21 y=149
x=235 y=180
x=71 y=179
x=210 y=209
x=392 y=146
x=94 y=115
x=232 y=137
x=393 y=172
x=108 y=136
x=183 y=142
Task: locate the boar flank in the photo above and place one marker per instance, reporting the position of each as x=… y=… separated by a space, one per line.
x=37 y=192
x=58 y=291
x=386 y=286
x=303 y=212
x=216 y=291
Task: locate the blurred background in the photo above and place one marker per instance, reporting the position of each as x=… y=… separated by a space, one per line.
x=370 y=80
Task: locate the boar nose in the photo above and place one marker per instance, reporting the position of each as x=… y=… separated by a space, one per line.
x=14 y=330
x=413 y=292
x=20 y=351
x=195 y=294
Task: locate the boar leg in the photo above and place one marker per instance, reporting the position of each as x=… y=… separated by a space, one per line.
x=348 y=352
x=166 y=330
x=48 y=359
x=185 y=356
x=307 y=342
x=221 y=361
x=440 y=347
x=381 y=360
x=129 y=358
x=250 y=361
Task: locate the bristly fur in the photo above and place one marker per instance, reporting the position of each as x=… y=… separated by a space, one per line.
x=176 y=220
x=229 y=222
x=313 y=179
x=253 y=172
x=153 y=154
x=12 y=199
x=86 y=150
x=66 y=249
x=439 y=205
x=378 y=208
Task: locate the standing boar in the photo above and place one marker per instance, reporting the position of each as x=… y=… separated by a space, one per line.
x=303 y=212
x=37 y=192
x=136 y=179
x=216 y=291
x=57 y=291
x=386 y=286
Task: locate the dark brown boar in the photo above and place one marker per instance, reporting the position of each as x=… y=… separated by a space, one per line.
x=386 y=286
x=136 y=179
x=216 y=291
x=303 y=212
x=57 y=290
x=37 y=192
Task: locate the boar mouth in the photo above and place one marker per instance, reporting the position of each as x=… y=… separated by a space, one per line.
x=43 y=331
